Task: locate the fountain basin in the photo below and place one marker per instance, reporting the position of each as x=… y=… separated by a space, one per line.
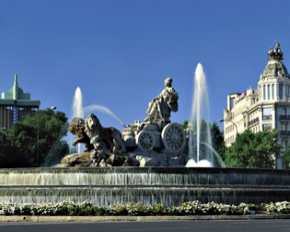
x=149 y=185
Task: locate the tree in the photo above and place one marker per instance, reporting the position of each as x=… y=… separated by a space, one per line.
x=286 y=158
x=253 y=150
x=218 y=142
x=217 y=137
x=27 y=143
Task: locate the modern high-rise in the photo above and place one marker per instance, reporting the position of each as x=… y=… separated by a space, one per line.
x=15 y=105
x=267 y=107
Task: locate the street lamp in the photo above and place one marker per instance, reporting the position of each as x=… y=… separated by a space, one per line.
x=229 y=120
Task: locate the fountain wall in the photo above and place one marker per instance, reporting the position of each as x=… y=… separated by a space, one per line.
x=167 y=185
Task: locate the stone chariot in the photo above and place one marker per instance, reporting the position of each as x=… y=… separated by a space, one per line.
x=157 y=131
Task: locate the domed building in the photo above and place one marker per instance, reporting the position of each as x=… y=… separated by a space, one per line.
x=15 y=105
x=267 y=107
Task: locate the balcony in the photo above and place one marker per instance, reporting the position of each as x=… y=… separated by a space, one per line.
x=284 y=133
x=284 y=117
x=267 y=117
x=253 y=121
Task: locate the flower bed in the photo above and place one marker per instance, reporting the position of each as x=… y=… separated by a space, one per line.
x=86 y=208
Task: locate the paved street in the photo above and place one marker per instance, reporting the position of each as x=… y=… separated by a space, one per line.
x=276 y=225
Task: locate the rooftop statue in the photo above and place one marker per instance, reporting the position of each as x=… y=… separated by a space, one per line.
x=275 y=53
x=275 y=66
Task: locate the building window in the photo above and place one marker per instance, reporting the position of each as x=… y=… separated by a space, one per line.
x=281 y=94
x=273 y=91
x=264 y=92
x=232 y=103
x=283 y=146
x=267 y=113
x=267 y=126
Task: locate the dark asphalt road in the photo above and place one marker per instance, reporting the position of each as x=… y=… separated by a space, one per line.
x=275 y=225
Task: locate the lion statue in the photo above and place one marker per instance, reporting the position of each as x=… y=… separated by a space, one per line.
x=77 y=128
x=99 y=137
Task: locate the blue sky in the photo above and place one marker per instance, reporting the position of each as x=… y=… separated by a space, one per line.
x=120 y=51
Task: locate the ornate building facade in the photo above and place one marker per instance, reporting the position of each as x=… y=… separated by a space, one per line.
x=267 y=107
x=15 y=105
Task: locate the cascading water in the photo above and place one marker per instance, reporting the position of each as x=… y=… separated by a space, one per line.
x=149 y=185
x=200 y=114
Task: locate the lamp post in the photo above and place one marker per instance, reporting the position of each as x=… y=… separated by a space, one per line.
x=229 y=120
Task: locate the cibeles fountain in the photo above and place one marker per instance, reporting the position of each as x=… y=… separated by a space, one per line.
x=156 y=141
x=153 y=161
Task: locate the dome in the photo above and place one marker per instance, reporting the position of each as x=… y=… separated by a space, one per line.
x=275 y=66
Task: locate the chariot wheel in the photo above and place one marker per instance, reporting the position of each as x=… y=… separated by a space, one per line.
x=173 y=137
x=145 y=140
